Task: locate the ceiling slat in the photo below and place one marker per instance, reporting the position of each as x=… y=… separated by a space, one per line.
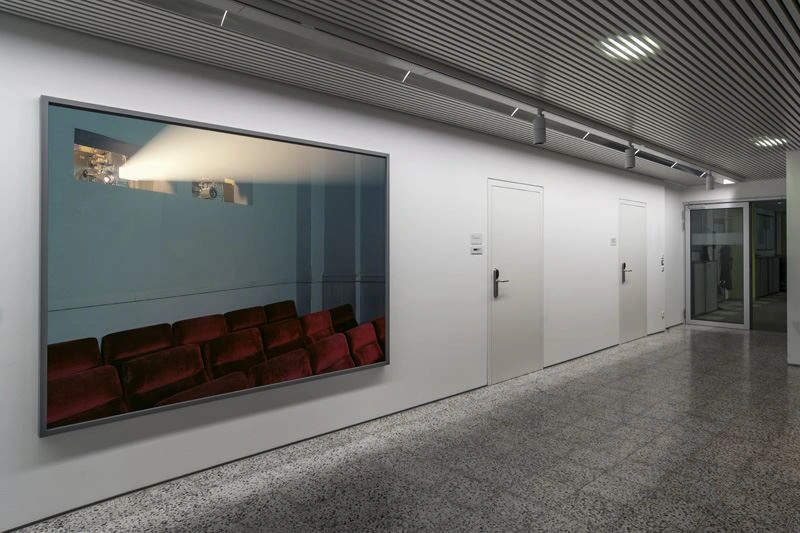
x=709 y=81
x=727 y=72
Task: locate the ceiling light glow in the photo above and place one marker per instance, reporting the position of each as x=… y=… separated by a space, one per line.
x=515 y=111
x=726 y=181
x=629 y=47
x=406 y=76
x=223 y=18
x=769 y=142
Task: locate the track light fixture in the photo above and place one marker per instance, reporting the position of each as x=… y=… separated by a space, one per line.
x=539 y=129
x=709 y=181
x=630 y=156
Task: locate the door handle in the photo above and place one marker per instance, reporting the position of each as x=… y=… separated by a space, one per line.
x=496 y=281
x=624 y=270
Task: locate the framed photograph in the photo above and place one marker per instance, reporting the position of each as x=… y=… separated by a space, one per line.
x=184 y=262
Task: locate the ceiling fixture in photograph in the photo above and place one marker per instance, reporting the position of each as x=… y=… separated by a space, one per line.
x=629 y=47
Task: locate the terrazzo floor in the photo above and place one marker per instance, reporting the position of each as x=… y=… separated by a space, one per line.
x=695 y=429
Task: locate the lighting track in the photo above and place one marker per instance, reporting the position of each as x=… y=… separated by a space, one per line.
x=282 y=26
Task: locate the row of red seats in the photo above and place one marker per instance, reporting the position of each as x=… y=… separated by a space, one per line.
x=204 y=356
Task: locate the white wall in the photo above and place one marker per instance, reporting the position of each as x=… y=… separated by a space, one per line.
x=746 y=190
x=438 y=291
x=793 y=256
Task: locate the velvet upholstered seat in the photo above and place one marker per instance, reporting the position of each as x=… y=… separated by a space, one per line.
x=380 y=331
x=199 y=329
x=148 y=379
x=71 y=357
x=343 y=318
x=123 y=345
x=84 y=396
x=249 y=317
x=316 y=326
x=235 y=352
x=364 y=345
x=282 y=337
x=330 y=354
x=285 y=367
x=275 y=312
x=228 y=383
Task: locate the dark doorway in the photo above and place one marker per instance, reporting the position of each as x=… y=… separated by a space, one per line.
x=768 y=245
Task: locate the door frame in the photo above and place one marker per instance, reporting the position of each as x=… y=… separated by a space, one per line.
x=634 y=203
x=492 y=182
x=746 y=260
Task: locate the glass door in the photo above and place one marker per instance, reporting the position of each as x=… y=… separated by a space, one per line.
x=717 y=265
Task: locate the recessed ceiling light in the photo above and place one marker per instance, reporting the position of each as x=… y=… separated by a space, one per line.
x=769 y=142
x=406 y=76
x=629 y=47
x=726 y=181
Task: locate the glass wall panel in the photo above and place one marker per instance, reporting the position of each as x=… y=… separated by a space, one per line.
x=717 y=265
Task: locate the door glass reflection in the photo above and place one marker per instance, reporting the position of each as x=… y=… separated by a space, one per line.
x=717 y=265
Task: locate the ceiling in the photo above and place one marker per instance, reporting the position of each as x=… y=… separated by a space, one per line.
x=726 y=72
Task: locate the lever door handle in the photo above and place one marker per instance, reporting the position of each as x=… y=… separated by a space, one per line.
x=624 y=271
x=496 y=282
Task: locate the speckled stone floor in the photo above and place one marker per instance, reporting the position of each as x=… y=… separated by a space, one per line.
x=695 y=429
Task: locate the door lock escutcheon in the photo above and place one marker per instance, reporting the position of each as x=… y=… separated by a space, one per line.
x=496 y=281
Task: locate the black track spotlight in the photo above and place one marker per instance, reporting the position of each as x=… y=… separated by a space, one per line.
x=539 y=129
x=630 y=157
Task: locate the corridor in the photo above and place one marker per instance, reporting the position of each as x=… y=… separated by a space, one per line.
x=692 y=429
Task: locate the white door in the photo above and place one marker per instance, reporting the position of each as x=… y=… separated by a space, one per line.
x=515 y=280
x=632 y=270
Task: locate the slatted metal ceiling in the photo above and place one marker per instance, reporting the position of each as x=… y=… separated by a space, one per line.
x=148 y=27
x=726 y=71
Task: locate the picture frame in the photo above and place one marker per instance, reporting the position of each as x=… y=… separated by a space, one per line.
x=155 y=175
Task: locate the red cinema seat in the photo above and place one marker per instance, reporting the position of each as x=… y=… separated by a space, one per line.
x=380 y=331
x=280 y=311
x=343 y=318
x=199 y=329
x=233 y=352
x=316 y=326
x=250 y=317
x=87 y=395
x=71 y=357
x=285 y=367
x=227 y=383
x=150 y=378
x=364 y=345
x=282 y=337
x=123 y=345
x=330 y=354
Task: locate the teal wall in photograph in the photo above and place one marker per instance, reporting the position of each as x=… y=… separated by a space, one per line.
x=120 y=258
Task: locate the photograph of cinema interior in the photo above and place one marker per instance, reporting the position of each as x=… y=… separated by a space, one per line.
x=185 y=262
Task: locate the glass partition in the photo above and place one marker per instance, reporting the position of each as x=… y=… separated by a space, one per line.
x=719 y=281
